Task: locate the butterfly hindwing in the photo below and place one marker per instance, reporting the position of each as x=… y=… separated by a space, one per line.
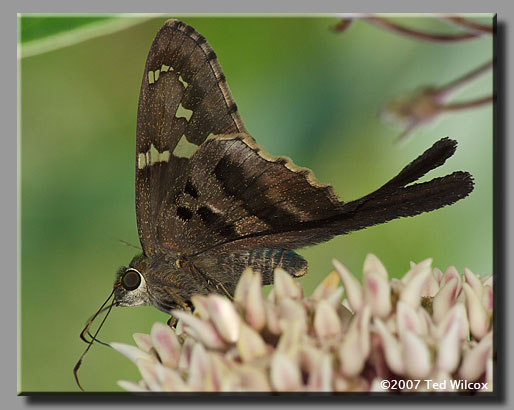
x=184 y=98
x=232 y=193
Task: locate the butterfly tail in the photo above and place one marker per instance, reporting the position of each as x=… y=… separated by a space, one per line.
x=432 y=158
x=401 y=201
x=395 y=199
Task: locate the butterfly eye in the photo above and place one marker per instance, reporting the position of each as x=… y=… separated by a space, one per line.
x=131 y=280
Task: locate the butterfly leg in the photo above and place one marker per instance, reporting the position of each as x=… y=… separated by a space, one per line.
x=211 y=280
x=172 y=322
x=185 y=305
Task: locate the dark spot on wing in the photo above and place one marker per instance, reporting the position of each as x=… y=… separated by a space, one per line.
x=184 y=213
x=191 y=189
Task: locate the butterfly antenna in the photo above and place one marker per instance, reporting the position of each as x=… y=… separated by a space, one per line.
x=130 y=244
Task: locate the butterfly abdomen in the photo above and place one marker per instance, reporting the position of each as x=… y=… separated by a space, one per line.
x=264 y=261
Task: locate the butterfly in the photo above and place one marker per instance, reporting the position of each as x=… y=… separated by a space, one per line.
x=210 y=202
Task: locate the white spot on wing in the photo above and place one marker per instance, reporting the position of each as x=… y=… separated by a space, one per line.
x=183 y=112
x=152 y=156
x=215 y=210
x=184 y=83
x=155 y=156
x=141 y=161
x=184 y=148
x=150 y=77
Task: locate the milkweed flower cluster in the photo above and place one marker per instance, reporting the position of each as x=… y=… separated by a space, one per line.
x=428 y=325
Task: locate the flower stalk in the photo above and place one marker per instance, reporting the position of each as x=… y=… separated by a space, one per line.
x=429 y=102
x=472 y=29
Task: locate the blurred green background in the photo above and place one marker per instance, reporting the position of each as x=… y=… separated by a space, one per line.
x=302 y=90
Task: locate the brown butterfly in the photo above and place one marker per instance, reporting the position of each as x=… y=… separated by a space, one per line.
x=210 y=202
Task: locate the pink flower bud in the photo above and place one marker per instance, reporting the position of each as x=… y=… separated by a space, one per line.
x=285 y=374
x=411 y=294
x=416 y=356
x=224 y=316
x=478 y=317
x=255 y=312
x=475 y=360
x=285 y=286
x=444 y=299
x=377 y=294
x=166 y=343
x=326 y=321
x=373 y=265
x=250 y=344
x=351 y=285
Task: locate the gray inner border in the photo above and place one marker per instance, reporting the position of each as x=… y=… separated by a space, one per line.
x=504 y=195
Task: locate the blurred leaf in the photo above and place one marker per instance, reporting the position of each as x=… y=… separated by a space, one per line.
x=39 y=34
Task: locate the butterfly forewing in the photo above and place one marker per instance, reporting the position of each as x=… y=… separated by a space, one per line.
x=184 y=99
